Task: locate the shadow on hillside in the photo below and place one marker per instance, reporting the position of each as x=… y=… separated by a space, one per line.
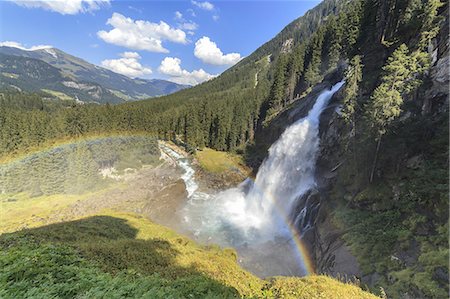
x=111 y=244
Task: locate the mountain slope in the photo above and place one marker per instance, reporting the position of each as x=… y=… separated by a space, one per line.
x=298 y=30
x=384 y=150
x=28 y=74
x=83 y=71
x=223 y=113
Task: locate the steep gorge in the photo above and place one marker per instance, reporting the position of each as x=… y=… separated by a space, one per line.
x=365 y=230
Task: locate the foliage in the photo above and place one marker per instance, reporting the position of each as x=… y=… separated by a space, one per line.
x=353 y=77
x=222 y=114
x=404 y=214
x=400 y=76
x=430 y=21
x=75 y=167
x=219 y=162
x=404 y=208
x=125 y=255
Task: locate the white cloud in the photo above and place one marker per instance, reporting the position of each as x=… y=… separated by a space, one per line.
x=65 y=7
x=140 y=34
x=178 y=15
x=189 y=25
x=128 y=65
x=20 y=46
x=208 y=52
x=215 y=17
x=171 y=66
x=130 y=55
x=184 y=24
x=203 y=5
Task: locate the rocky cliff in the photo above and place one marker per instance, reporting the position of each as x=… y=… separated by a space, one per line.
x=394 y=209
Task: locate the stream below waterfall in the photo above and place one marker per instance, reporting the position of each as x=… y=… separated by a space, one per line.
x=256 y=217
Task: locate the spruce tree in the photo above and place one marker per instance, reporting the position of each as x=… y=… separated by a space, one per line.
x=401 y=75
x=353 y=77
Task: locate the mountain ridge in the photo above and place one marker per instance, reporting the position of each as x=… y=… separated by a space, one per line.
x=121 y=87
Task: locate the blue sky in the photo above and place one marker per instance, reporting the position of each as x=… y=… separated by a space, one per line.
x=183 y=41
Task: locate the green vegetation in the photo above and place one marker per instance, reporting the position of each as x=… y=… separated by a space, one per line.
x=34 y=75
x=18 y=211
x=401 y=76
x=222 y=114
x=353 y=78
x=124 y=255
x=94 y=83
x=75 y=167
x=313 y=287
x=59 y=95
x=219 y=162
x=390 y=196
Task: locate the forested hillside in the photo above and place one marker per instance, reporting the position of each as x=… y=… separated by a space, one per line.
x=391 y=189
x=76 y=168
x=225 y=112
x=222 y=113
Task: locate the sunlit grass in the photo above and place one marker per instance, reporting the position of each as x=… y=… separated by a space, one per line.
x=219 y=162
x=19 y=211
x=124 y=253
x=110 y=254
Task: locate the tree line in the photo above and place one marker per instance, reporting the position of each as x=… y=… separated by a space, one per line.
x=225 y=112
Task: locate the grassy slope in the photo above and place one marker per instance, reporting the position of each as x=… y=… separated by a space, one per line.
x=218 y=162
x=117 y=254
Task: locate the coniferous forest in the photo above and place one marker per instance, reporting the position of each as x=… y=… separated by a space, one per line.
x=224 y=113
x=388 y=195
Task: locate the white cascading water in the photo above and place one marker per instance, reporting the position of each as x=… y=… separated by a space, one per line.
x=183 y=162
x=256 y=212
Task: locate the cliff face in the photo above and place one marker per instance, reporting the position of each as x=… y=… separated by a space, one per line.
x=323 y=240
x=399 y=209
x=427 y=107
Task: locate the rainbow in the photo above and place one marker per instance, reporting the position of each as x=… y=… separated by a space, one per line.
x=302 y=254
x=55 y=143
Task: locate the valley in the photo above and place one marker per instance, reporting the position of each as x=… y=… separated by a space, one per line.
x=316 y=166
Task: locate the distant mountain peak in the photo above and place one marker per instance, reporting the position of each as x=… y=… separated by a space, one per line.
x=116 y=87
x=17 y=45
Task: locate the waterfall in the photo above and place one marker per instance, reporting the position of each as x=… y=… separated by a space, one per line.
x=257 y=212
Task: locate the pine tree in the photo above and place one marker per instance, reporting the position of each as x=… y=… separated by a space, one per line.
x=277 y=92
x=430 y=22
x=333 y=43
x=312 y=73
x=295 y=68
x=351 y=22
x=401 y=76
x=353 y=78
x=81 y=171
